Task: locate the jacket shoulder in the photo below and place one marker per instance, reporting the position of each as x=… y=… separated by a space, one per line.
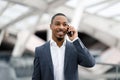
x=39 y=49
x=42 y=46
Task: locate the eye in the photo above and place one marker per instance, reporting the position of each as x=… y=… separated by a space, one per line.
x=57 y=24
x=65 y=24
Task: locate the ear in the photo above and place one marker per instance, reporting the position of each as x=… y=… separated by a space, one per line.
x=51 y=26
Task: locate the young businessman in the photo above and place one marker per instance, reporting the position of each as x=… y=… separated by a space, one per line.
x=58 y=59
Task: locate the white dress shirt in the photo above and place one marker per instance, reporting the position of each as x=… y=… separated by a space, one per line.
x=58 y=54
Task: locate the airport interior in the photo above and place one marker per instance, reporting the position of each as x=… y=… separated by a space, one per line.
x=24 y=24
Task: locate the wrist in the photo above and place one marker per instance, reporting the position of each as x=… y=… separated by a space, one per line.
x=74 y=39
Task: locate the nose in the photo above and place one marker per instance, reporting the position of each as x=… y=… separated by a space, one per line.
x=61 y=26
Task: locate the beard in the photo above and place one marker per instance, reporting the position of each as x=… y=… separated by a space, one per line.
x=60 y=39
x=59 y=36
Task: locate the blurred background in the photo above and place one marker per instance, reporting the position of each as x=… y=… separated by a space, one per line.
x=24 y=24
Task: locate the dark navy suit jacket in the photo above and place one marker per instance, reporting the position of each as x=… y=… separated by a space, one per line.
x=74 y=54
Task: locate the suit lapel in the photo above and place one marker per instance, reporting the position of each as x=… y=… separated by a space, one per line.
x=48 y=54
x=49 y=58
x=66 y=55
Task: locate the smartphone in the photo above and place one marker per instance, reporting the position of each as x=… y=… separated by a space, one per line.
x=69 y=33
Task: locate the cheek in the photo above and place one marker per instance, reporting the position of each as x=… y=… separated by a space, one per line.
x=53 y=28
x=66 y=29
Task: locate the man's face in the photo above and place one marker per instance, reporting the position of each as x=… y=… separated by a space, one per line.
x=59 y=27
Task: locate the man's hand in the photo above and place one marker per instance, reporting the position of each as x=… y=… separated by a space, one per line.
x=72 y=33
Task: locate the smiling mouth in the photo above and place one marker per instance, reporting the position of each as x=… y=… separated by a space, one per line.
x=60 y=32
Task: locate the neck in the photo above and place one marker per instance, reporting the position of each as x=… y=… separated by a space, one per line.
x=59 y=42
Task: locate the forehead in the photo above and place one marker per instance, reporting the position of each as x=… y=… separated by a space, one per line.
x=60 y=18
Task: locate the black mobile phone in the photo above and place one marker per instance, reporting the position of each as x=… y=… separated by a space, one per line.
x=70 y=33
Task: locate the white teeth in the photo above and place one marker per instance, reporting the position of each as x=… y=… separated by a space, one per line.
x=60 y=32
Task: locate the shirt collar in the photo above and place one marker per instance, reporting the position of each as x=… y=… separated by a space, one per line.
x=53 y=43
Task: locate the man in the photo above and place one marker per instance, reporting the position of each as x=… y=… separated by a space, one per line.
x=58 y=59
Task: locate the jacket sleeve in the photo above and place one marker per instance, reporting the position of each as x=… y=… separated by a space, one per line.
x=84 y=57
x=36 y=70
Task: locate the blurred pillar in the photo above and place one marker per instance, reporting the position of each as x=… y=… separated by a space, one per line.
x=2 y=32
x=23 y=38
x=49 y=34
x=78 y=13
x=20 y=44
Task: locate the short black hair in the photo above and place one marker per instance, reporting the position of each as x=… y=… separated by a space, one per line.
x=58 y=14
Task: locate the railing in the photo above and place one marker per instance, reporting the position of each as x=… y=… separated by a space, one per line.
x=117 y=66
x=105 y=75
x=24 y=66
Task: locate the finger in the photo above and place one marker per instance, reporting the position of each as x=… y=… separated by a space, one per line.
x=72 y=29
